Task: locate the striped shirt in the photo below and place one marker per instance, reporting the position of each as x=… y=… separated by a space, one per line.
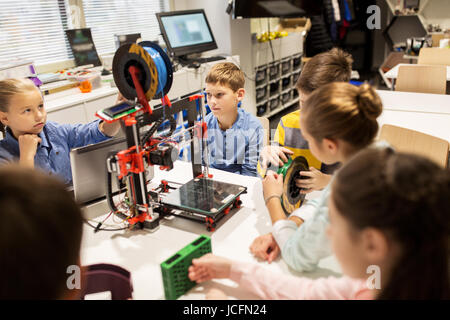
x=236 y=149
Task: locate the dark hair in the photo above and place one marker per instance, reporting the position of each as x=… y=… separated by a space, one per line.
x=226 y=73
x=40 y=234
x=323 y=68
x=407 y=197
x=340 y=110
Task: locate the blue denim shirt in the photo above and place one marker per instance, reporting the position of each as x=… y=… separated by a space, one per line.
x=237 y=149
x=53 y=153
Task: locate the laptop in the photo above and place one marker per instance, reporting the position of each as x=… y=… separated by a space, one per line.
x=89 y=171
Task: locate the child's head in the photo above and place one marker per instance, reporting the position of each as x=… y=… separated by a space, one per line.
x=393 y=211
x=21 y=107
x=334 y=65
x=40 y=235
x=339 y=119
x=224 y=88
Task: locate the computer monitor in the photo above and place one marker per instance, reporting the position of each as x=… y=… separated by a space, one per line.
x=121 y=39
x=83 y=47
x=186 y=32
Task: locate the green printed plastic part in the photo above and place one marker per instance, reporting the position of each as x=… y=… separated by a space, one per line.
x=285 y=167
x=175 y=269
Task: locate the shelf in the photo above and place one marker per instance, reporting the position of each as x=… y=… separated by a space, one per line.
x=422 y=6
x=277 y=110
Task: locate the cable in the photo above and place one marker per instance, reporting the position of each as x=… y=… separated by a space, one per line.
x=270 y=40
x=109 y=196
x=151 y=131
x=97 y=228
x=104 y=229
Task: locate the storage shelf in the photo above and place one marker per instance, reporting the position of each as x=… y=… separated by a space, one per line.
x=284 y=106
x=265 y=103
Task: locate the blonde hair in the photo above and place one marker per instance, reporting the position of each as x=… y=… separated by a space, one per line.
x=11 y=87
x=343 y=111
x=331 y=66
x=226 y=73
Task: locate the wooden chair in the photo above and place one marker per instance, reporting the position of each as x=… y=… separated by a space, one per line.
x=434 y=56
x=407 y=140
x=424 y=79
x=435 y=39
x=266 y=126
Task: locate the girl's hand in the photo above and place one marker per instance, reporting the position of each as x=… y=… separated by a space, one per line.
x=120 y=98
x=317 y=180
x=272 y=185
x=109 y=129
x=28 y=145
x=265 y=247
x=272 y=154
x=209 y=267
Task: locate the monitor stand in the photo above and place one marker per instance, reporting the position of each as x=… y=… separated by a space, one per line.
x=197 y=61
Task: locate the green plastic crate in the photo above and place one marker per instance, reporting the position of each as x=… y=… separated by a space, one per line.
x=175 y=269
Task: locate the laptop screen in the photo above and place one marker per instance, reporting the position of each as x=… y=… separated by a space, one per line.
x=89 y=170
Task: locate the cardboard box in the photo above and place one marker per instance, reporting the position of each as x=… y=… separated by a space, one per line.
x=294 y=25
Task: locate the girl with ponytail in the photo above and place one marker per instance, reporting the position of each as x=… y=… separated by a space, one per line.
x=389 y=212
x=338 y=120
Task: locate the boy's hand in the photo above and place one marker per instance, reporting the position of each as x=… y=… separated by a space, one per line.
x=272 y=154
x=28 y=145
x=317 y=180
x=209 y=267
x=272 y=185
x=265 y=247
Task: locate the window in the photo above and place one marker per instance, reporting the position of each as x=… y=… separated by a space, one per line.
x=109 y=17
x=33 y=30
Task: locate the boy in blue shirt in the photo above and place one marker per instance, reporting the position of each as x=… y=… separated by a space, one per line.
x=34 y=142
x=235 y=137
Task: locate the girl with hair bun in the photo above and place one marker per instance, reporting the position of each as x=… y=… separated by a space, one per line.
x=338 y=120
x=388 y=212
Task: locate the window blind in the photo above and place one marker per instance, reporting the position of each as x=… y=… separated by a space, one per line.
x=33 y=30
x=109 y=17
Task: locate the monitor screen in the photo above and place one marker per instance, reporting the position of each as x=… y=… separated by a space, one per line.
x=186 y=32
x=83 y=47
x=122 y=39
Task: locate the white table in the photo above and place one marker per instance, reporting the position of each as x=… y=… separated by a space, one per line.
x=141 y=252
x=424 y=112
x=393 y=73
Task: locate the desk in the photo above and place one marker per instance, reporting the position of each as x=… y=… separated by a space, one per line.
x=393 y=73
x=142 y=251
x=424 y=112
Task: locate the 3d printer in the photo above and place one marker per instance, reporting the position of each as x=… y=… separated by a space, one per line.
x=143 y=72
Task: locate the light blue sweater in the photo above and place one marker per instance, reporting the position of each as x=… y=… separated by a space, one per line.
x=303 y=247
